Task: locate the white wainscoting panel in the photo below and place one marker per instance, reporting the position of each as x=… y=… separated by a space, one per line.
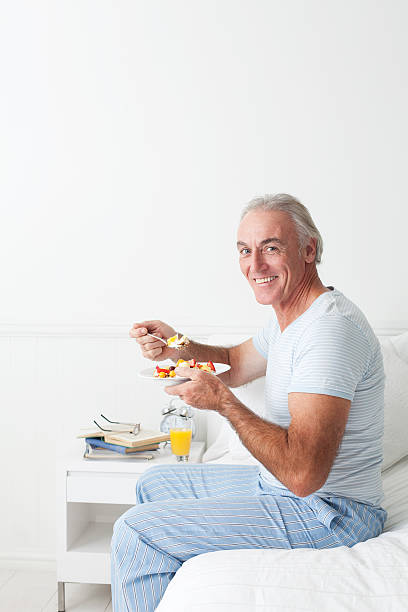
x=54 y=379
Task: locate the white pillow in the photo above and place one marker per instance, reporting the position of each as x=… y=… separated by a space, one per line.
x=395 y=356
x=225 y=446
x=228 y=447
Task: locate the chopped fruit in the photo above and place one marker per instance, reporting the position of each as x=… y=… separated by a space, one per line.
x=182 y=362
x=161 y=372
x=192 y=363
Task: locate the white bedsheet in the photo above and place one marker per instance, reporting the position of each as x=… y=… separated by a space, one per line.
x=370 y=577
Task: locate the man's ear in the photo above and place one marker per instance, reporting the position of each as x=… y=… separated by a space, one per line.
x=310 y=250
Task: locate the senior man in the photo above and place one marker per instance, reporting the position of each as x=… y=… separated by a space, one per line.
x=319 y=445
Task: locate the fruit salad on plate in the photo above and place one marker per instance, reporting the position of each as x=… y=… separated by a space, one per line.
x=169 y=372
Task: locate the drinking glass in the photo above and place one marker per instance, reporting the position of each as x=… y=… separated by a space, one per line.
x=180 y=439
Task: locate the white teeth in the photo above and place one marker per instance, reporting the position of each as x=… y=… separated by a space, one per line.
x=267 y=279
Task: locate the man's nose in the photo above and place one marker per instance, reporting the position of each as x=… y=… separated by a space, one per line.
x=258 y=261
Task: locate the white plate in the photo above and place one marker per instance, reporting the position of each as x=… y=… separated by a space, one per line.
x=220 y=368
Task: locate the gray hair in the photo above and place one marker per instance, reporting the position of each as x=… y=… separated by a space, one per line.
x=299 y=214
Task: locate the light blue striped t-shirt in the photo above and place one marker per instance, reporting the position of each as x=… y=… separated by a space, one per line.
x=332 y=350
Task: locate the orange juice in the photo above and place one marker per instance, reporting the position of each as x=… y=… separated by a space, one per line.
x=180 y=441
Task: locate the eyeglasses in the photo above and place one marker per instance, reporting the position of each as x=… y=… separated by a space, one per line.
x=133 y=428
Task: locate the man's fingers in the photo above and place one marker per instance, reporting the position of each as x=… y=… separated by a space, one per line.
x=140 y=331
x=185 y=372
x=137 y=333
x=175 y=389
x=137 y=330
x=149 y=343
x=142 y=328
x=146 y=324
x=152 y=354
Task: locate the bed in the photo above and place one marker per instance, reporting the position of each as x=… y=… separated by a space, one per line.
x=372 y=576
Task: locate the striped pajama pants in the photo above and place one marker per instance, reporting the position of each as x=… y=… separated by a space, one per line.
x=184 y=511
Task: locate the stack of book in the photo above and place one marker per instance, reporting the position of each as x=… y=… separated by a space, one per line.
x=122 y=444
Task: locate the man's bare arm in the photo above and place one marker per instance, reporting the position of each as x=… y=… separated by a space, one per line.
x=245 y=361
x=302 y=455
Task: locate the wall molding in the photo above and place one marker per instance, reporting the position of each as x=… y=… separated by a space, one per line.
x=13 y=330
x=86 y=330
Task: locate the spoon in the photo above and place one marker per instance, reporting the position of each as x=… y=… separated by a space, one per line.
x=157 y=338
x=176 y=345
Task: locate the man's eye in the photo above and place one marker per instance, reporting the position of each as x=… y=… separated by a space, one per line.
x=244 y=251
x=270 y=249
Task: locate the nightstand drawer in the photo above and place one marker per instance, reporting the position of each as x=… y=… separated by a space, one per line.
x=101 y=488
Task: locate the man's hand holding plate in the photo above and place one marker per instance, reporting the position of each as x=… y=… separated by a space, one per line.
x=204 y=390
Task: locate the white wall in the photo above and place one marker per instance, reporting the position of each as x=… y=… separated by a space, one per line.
x=131 y=135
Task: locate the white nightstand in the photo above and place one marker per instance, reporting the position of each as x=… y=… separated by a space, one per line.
x=92 y=494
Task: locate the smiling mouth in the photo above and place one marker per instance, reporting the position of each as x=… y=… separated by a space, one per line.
x=263 y=281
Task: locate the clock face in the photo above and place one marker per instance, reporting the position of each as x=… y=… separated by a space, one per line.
x=169 y=421
x=173 y=420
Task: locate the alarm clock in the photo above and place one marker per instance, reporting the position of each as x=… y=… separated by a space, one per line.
x=175 y=414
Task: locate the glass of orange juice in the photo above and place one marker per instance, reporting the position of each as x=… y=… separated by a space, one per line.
x=180 y=439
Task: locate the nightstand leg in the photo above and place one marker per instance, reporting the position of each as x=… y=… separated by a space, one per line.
x=61 y=597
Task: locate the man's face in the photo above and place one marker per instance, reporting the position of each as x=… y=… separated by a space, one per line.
x=269 y=257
